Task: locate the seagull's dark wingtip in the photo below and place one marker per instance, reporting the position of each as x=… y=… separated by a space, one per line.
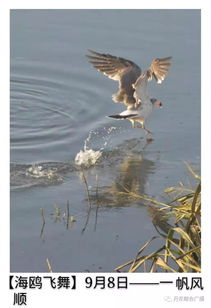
x=93 y=52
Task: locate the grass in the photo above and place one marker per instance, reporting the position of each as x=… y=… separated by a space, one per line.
x=178 y=225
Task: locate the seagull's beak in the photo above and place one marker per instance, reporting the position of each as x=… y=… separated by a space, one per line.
x=158 y=104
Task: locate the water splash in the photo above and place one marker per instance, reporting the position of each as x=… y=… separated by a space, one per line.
x=91 y=133
x=88 y=157
x=106 y=138
x=42 y=174
x=36 y=171
x=98 y=138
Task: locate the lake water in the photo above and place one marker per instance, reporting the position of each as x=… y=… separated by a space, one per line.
x=59 y=104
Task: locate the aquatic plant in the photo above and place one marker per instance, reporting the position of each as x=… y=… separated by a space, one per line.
x=179 y=227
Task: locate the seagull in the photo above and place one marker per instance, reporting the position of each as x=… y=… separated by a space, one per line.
x=133 y=91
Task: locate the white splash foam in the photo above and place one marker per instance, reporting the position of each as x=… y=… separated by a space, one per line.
x=87 y=158
x=38 y=172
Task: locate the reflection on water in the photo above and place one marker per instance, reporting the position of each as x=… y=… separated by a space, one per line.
x=133 y=176
x=132 y=173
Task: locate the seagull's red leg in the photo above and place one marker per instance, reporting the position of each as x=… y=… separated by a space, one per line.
x=147 y=132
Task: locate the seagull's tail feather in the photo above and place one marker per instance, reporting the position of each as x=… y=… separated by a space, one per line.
x=122 y=117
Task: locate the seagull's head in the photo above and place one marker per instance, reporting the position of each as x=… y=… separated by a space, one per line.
x=155 y=102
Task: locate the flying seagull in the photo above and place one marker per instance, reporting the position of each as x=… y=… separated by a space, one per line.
x=133 y=83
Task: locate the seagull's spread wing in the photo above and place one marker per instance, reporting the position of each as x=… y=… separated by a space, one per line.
x=111 y=66
x=120 y=69
x=158 y=69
